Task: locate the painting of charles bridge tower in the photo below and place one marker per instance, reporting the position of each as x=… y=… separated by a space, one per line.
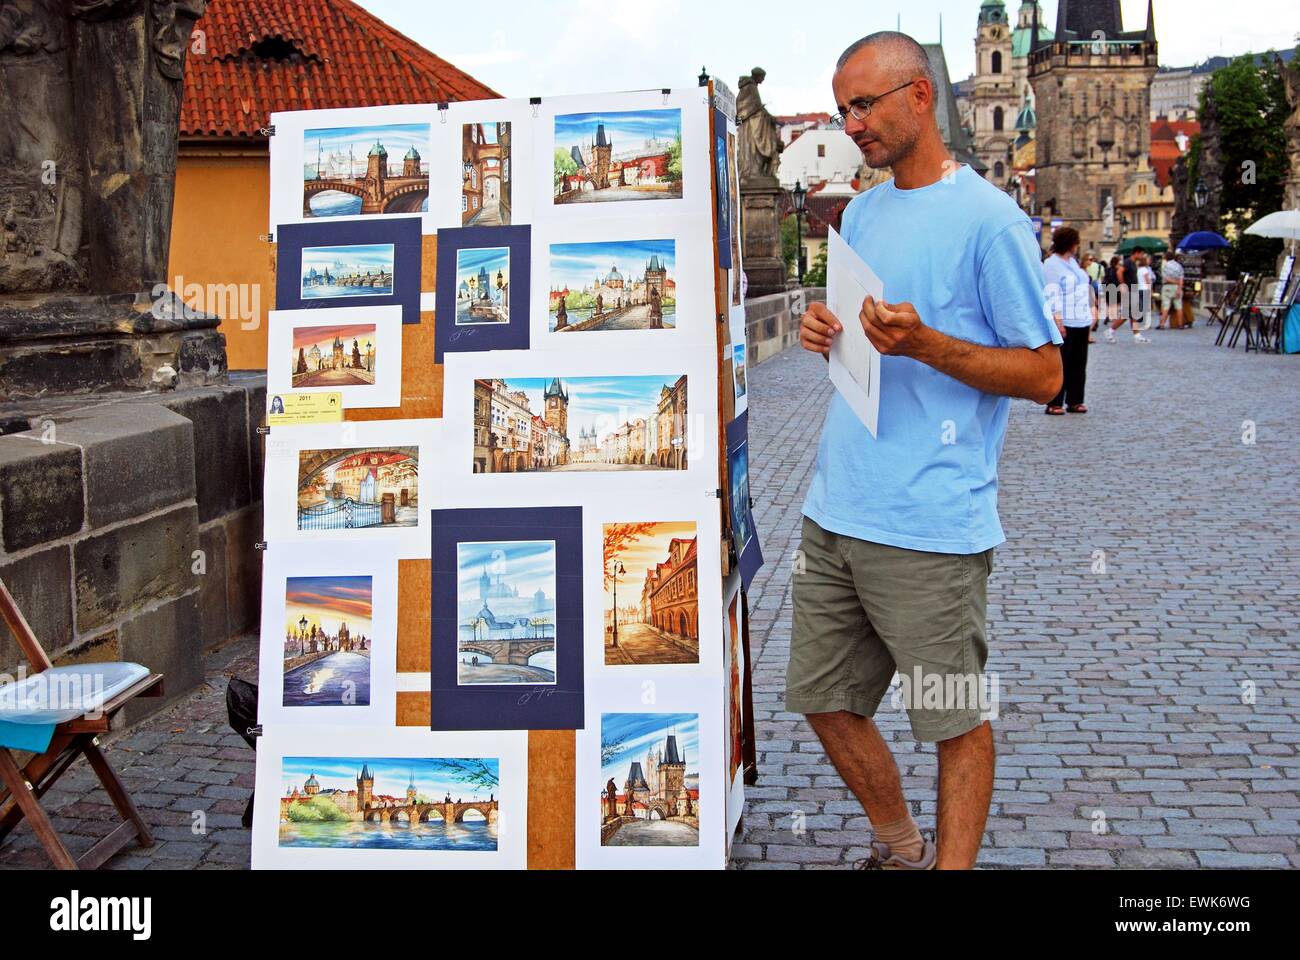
x=623 y=155
x=365 y=170
x=651 y=796
x=403 y=803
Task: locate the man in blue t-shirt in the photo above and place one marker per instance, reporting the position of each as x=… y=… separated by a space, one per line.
x=899 y=529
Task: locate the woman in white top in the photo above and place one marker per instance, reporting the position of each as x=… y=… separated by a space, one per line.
x=1069 y=293
x=1146 y=278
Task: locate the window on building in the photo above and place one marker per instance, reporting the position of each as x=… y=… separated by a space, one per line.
x=996 y=62
x=998 y=170
x=997 y=118
x=464 y=203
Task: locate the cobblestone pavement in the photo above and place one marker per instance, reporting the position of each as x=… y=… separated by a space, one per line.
x=1121 y=692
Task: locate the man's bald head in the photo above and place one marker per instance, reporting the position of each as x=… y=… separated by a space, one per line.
x=901 y=57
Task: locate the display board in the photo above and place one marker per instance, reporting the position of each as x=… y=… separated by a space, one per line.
x=503 y=618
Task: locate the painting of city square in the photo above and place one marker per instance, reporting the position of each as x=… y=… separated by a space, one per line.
x=356 y=270
x=589 y=292
x=622 y=155
x=327 y=641
x=740 y=514
x=530 y=424
x=389 y=803
x=365 y=170
x=651 y=593
x=482 y=285
x=651 y=797
x=505 y=607
x=346 y=489
x=340 y=355
x=485 y=173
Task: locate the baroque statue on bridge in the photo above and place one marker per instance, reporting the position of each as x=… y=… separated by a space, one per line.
x=760 y=139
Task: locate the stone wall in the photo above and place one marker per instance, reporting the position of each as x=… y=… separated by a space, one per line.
x=772 y=322
x=128 y=524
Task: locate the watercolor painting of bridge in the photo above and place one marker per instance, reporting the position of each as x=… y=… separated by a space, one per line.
x=367 y=170
x=354 y=270
x=328 y=637
x=650 y=764
x=613 y=285
x=390 y=803
x=505 y=605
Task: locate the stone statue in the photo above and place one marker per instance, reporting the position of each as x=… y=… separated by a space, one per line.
x=760 y=140
x=1291 y=126
x=92 y=96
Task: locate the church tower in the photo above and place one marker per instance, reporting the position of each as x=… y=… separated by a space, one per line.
x=1092 y=91
x=600 y=152
x=411 y=792
x=557 y=407
x=994 y=100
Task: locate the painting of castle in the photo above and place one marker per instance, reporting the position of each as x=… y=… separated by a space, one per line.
x=370 y=170
x=506 y=611
x=401 y=803
x=589 y=292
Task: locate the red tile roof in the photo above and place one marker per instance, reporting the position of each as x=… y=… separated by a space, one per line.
x=267 y=55
x=1164 y=145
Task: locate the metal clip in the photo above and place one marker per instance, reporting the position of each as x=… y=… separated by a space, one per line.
x=442 y=112
x=260 y=545
x=253 y=731
x=263 y=431
x=267 y=131
x=535 y=101
x=266 y=237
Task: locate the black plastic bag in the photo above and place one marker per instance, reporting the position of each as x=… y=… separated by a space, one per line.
x=241 y=708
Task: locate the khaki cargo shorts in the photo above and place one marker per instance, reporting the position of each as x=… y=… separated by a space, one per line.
x=864 y=610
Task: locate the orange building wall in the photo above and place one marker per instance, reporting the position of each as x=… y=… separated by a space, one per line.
x=220 y=211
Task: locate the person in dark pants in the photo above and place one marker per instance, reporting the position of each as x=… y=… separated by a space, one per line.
x=1070 y=296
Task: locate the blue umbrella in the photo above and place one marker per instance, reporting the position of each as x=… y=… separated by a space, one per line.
x=1203 y=240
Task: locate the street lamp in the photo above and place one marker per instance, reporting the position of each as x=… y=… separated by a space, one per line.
x=616 y=570
x=302 y=634
x=800 y=196
x=1201 y=194
x=704 y=77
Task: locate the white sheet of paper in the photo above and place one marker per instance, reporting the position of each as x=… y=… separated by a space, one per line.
x=855 y=363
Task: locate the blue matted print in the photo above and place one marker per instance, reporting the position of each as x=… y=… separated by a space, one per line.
x=743 y=530
x=506 y=635
x=722 y=177
x=482 y=289
x=354 y=263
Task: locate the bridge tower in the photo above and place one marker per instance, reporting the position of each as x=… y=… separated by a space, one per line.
x=672 y=773
x=365 y=787
x=600 y=152
x=411 y=163
x=376 y=171
x=411 y=792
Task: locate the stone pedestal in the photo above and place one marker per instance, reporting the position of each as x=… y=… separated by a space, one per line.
x=128 y=524
x=760 y=223
x=74 y=344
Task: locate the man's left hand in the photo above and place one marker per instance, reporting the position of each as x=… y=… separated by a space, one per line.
x=894 y=329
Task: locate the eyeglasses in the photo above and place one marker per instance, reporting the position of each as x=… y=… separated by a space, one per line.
x=860 y=109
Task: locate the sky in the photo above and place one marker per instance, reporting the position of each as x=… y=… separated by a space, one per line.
x=595 y=46
x=397 y=138
x=471 y=259
x=392 y=775
x=361 y=256
x=327 y=601
x=623 y=129
x=526 y=565
x=576 y=265
x=605 y=402
x=305 y=337
x=638 y=733
x=642 y=554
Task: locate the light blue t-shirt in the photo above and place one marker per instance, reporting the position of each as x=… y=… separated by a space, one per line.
x=965 y=256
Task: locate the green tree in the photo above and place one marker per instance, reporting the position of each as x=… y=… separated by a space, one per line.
x=564 y=166
x=815 y=276
x=1251 y=105
x=789 y=245
x=675 y=160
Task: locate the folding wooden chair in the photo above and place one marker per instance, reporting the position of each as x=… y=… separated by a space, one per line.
x=1235 y=321
x=25 y=786
x=1218 y=310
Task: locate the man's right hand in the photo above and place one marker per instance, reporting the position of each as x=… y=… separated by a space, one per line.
x=817 y=328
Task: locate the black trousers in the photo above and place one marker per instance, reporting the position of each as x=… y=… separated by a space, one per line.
x=1074 y=358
